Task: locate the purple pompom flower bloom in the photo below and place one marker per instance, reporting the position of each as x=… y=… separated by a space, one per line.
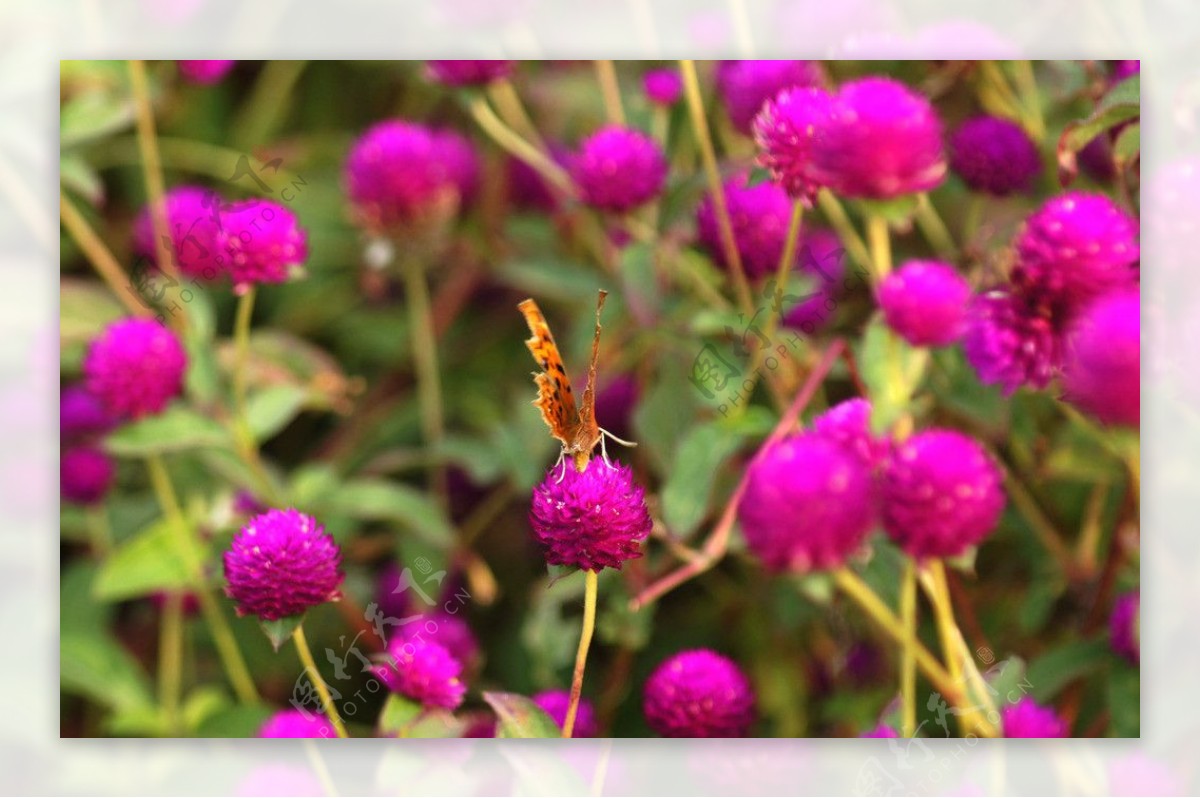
x=994 y=156
x=592 y=519
x=555 y=702
x=1123 y=628
x=204 y=72
x=135 y=367
x=193 y=219
x=1102 y=361
x=424 y=671
x=1125 y=69
x=785 y=130
x=880 y=140
x=448 y=631
x=1029 y=719
x=81 y=416
x=848 y=424
x=820 y=258
x=85 y=475
x=618 y=169
x=745 y=85
x=1011 y=340
x=297 y=723
x=809 y=503
x=925 y=302
x=941 y=494
x=759 y=215
x=400 y=174
x=281 y=564
x=663 y=86
x=699 y=693
x=882 y=730
x=263 y=243
x=468 y=73
x=1075 y=247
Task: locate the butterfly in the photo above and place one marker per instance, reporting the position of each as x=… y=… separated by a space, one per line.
x=575 y=427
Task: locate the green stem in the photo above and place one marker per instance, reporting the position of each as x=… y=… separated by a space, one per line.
x=101 y=257
x=585 y=642
x=606 y=73
x=881 y=247
x=504 y=95
x=844 y=228
x=227 y=648
x=425 y=362
x=908 y=662
x=973 y=216
x=99 y=533
x=243 y=434
x=265 y=107
x=954 y=646
x=1027 y=86
x=152 y=167
x=934 y=229
x=170 y=657
x=306 y=658
x=512 y=143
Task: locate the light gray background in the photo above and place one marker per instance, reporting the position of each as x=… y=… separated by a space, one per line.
x=35 y=35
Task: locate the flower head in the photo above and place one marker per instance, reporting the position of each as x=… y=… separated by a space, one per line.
x=592 y=519
x=784 y=131
x=468 y=73
x=280 y=564
x=925 y=302
x=85 y=475
x=994 y=156
x=882 y=730
x=1102 y=360
x=699 y=693
x=941 y=494
x=555 y=702
x=880 y=140
x=193 y=219
x=809 y=504
x=135 y=367
x=848 y=424
x=1074 y=248
x=663 y=86
x=81 y=416
x=745 y=85
x=618 y=169
x=1125 y=69
x=424 y=671
x=820 y=259
x=204 y=72
x=1011 y=340
x=400 y=174
x=448 y=631
x=297 y=723
x=1029 y=719
x=1123 y=632
x=527 y=188
x=759 y=215
x=263 y=242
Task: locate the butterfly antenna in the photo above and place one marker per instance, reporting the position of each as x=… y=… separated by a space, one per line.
x=605 y=433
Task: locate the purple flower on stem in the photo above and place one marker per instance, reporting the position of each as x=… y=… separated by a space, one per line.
x=785 y=130
x=1123 y=632
x=263 y=241
x=204 y=72
x=450 y=632
x=994 y=155
x=554 y=703
x=699 y=694
x=1011 y=340
x=296 y=723
x=85 y=475
x=759 y=215
x=424 y=671
x=281 y=564
x=848 y=424
x=809 y=503
x=81 y=416
x=193 y=222
x=1029 y=719
x=618 y=169
x=592 y=519
x=663 y=86
x=745 y=85
x=135 y=367
x=468 y=73
x=820 y=259
x=1102 y=361
x=925 y=302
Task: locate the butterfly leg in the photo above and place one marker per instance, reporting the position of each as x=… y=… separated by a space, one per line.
x=562 y=460
x=604 y=453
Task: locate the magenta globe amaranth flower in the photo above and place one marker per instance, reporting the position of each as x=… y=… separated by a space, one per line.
x=809 y=503
x=941 y=494
x=81 y=416
x=135 y=367
x=592 y=519
x=663 y=86
x=468 y=73
x=848 y=424
x=1076 y=247
x=1026 y=718
x=204 y=72
x=819 y=259
x=699 y=693
x=263 y=242
x=745 y=85
x=1125 y=69
x=759 y=215
x=297 y=723
x=193 y=221
x=994 y=156
x=1102 y=361
x=450 y=632
x=882 y=730
x=1011 y=340
x=785 y=130
x=424 y=671
x=85 y=475
x=399 y=174
x=925 y=302
x=555 y=702
x=880 y=140
x=281 y=564
x=1123 y=627
x=618 y=169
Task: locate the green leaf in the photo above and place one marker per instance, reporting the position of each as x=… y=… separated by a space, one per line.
x=78 y=175
x=279 y=631
x=892 y=371
x=94 y=665
x=818 y=586
x=147 y=562
x=551 y=279
x=378 y=500
x=518 y=717
x=1128 y=145
x=176 y=429
x=1054 y=670
x=398 y=713
x=93 y=115
x=698 y=461
x=1124 y=701
x=1121 y=104
x=241 y=721
x=270 y=410
x=637 y=268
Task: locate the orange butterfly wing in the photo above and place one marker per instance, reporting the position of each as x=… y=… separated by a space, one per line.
x=555 y=399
